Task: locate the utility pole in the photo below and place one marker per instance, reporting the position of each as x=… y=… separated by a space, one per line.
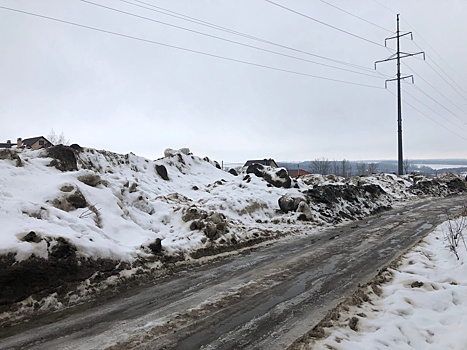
x=397 y=56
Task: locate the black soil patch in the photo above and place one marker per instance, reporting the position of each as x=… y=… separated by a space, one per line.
x=40 y=277
x=162 y=171
x=64 y=158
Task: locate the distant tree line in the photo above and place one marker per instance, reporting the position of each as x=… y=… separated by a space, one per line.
x=346 y=168
x=343 y=167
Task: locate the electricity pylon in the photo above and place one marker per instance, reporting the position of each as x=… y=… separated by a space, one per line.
x=398 y=56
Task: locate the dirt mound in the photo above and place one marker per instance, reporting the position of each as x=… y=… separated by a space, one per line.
x=333 y=194
x=38 y=276
x=439 y=187
x=64 y=158
x=336 y=203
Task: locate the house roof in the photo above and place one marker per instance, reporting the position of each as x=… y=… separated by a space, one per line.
x=5 y=145
x=260 y=161
x=297 y=172
x=31 y=141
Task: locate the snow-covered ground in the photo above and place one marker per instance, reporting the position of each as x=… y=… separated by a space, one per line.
x=127 y=205
x=105 y=217
x=133 y=204
x=422 y=306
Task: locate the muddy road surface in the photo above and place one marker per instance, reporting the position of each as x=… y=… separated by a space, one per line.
x=260 y=299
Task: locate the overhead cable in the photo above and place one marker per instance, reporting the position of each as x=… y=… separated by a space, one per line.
x=360 y=18
x=178 y=15
x=426 y=42
x=439 y=104
x=186 y=49
x=419 y=76
x=433 y=110
x=447 y=82
x=324 y=23
x=228 y=40
x=440 y=57
x=427 y=116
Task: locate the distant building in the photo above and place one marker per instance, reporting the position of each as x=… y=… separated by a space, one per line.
x=6 y=145
x=297 y=172
x=31 y=143
x=266 y=162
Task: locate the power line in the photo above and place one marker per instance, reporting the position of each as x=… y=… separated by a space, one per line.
x=419 y=76
x=434 y=111
x=231 y=31
x=439 y=104
x=447 y=82
x=324 y=23
x=186 y=49
x=440 y=57
x=431 y=47
x=353 y=15
x=416 y=109
x=426 y=115
x=387 y=8
x=227 y=40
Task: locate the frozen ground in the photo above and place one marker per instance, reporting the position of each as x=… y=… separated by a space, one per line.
x=423 y=304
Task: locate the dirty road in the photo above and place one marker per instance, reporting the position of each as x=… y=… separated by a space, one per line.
x=260 y=299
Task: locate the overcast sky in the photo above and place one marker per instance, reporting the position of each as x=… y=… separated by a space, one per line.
x=126 y=95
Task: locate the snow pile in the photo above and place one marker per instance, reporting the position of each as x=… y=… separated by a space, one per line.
x=99 y=214
x=114 y=206
x=423 y=307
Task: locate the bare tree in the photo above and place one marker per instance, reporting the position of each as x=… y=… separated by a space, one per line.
x=362 y=168
x=406 y=165
x=346 y=168
x=335 y=168
x=456 y=225
x=57 y=139
x=372 y=168
x=321 y=166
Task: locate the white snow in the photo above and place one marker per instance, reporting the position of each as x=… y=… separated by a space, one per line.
x=127 y=220
x=407 y=315
x=133 y=205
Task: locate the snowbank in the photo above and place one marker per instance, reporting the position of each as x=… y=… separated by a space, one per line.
x=423 y=306
x=96 y=213
x=113 y=206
